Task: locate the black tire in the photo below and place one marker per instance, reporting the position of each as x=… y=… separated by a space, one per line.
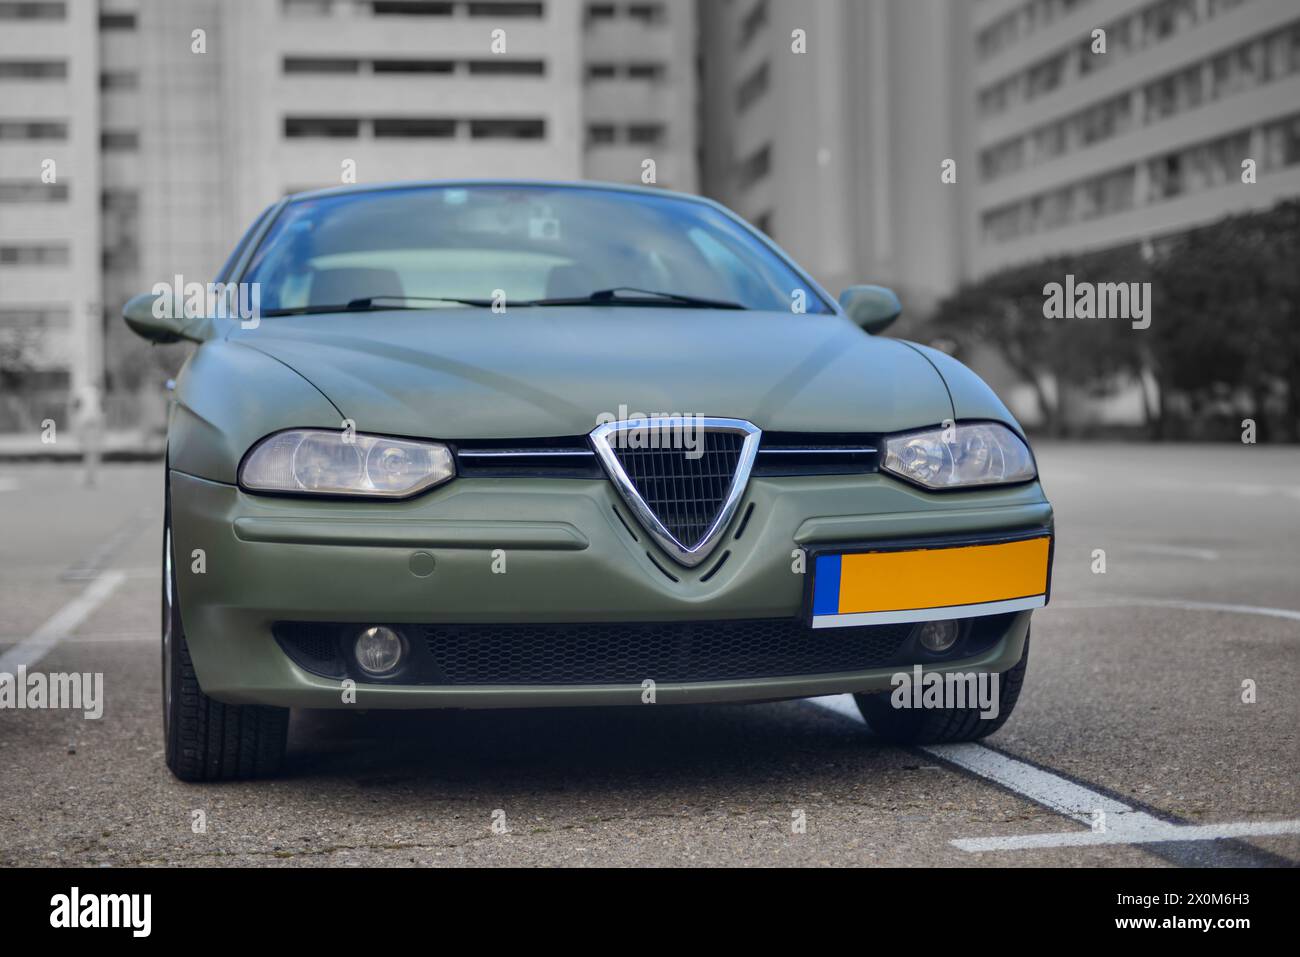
x=942 y=725
x=205 y=739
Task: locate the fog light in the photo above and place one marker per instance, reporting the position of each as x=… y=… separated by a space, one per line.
x=378 y=650
x=938 y=636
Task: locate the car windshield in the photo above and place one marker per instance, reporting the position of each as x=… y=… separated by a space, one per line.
x=524 y=244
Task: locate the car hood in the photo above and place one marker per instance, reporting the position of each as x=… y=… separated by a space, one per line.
x=532 y=372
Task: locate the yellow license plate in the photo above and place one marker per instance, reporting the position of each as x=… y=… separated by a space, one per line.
x=893 y=584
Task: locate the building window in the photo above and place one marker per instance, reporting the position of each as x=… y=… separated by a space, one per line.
x=754 y=167
x=507 y=129
x=415 y=128
x=33 y=70
x=1236 y=72
x=645 y=72
x=122 y=201
x=753 y=22
x=752 y=88
x=1266 y=59
x=33 y=130
x=49 y=254
x=600 y=134
x=533 y=10
x=33 y=10
x=32 y=191
x=645 y=134
x=1002 y=159
x=117 y=141
x=507 y=67
x=394 y=9
x=335 y=65
x=1197 y=168
x=647 y=13
x=1103 y=195
x=119 y=80
x=599 y=11
x=27 y=335
x=424 y=67
x=120 y=257
x=315 y=127
x=1282 y=144
x=600 y=71
x=1165 y=19
x=1125 y=36
x=1174 y=94
x=35 y=318
x=117 y=21
x=998 y=35
x=1048 y=142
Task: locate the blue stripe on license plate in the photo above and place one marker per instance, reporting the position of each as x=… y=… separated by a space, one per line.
x=826 y=585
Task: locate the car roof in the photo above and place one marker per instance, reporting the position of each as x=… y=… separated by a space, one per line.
x=452 y=183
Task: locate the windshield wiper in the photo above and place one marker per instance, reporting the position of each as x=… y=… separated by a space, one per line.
x=618 y=296
x=637 y=297
x=374 y=304
x=369 y=302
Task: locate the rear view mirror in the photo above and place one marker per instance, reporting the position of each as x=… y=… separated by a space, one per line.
x=871 y=307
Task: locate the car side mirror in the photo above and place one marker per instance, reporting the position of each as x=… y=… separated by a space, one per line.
x=871 y=307
x=148 y=319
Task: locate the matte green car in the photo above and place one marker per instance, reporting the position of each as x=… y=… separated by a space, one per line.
x=522 y=444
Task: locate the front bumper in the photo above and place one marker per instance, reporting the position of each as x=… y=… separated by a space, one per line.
x=533 y=551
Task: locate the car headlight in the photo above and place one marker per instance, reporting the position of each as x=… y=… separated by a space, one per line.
x=981 y=453
x=320 y=462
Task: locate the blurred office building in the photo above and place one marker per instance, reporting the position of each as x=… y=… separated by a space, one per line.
x=835 y=151
x=838 y=152
x=1056 y=146
x=139 y=137
x=1077 y=150
x=172 y=123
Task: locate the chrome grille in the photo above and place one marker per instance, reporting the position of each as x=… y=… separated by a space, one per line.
x=685 y=494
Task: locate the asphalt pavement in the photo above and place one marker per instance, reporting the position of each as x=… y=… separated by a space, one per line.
x=1131 y=744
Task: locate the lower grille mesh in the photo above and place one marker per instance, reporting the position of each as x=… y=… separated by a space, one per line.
x=313 y=646
x=619 y=653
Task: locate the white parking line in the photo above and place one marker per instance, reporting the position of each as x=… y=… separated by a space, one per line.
x=91 y=637
x=1288 y=613
x=1156 y=833
x=1244 y=489
x=1116 y=822
x=1060 y=795
x=1177 y=551
x=95 y=562
x=36 y=645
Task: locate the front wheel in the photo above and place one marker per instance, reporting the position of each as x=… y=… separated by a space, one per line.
x=942 y=725
x=205 y=739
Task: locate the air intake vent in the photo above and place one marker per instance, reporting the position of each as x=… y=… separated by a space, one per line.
x=631 y=652
x=812 y=453
x=563 y=457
